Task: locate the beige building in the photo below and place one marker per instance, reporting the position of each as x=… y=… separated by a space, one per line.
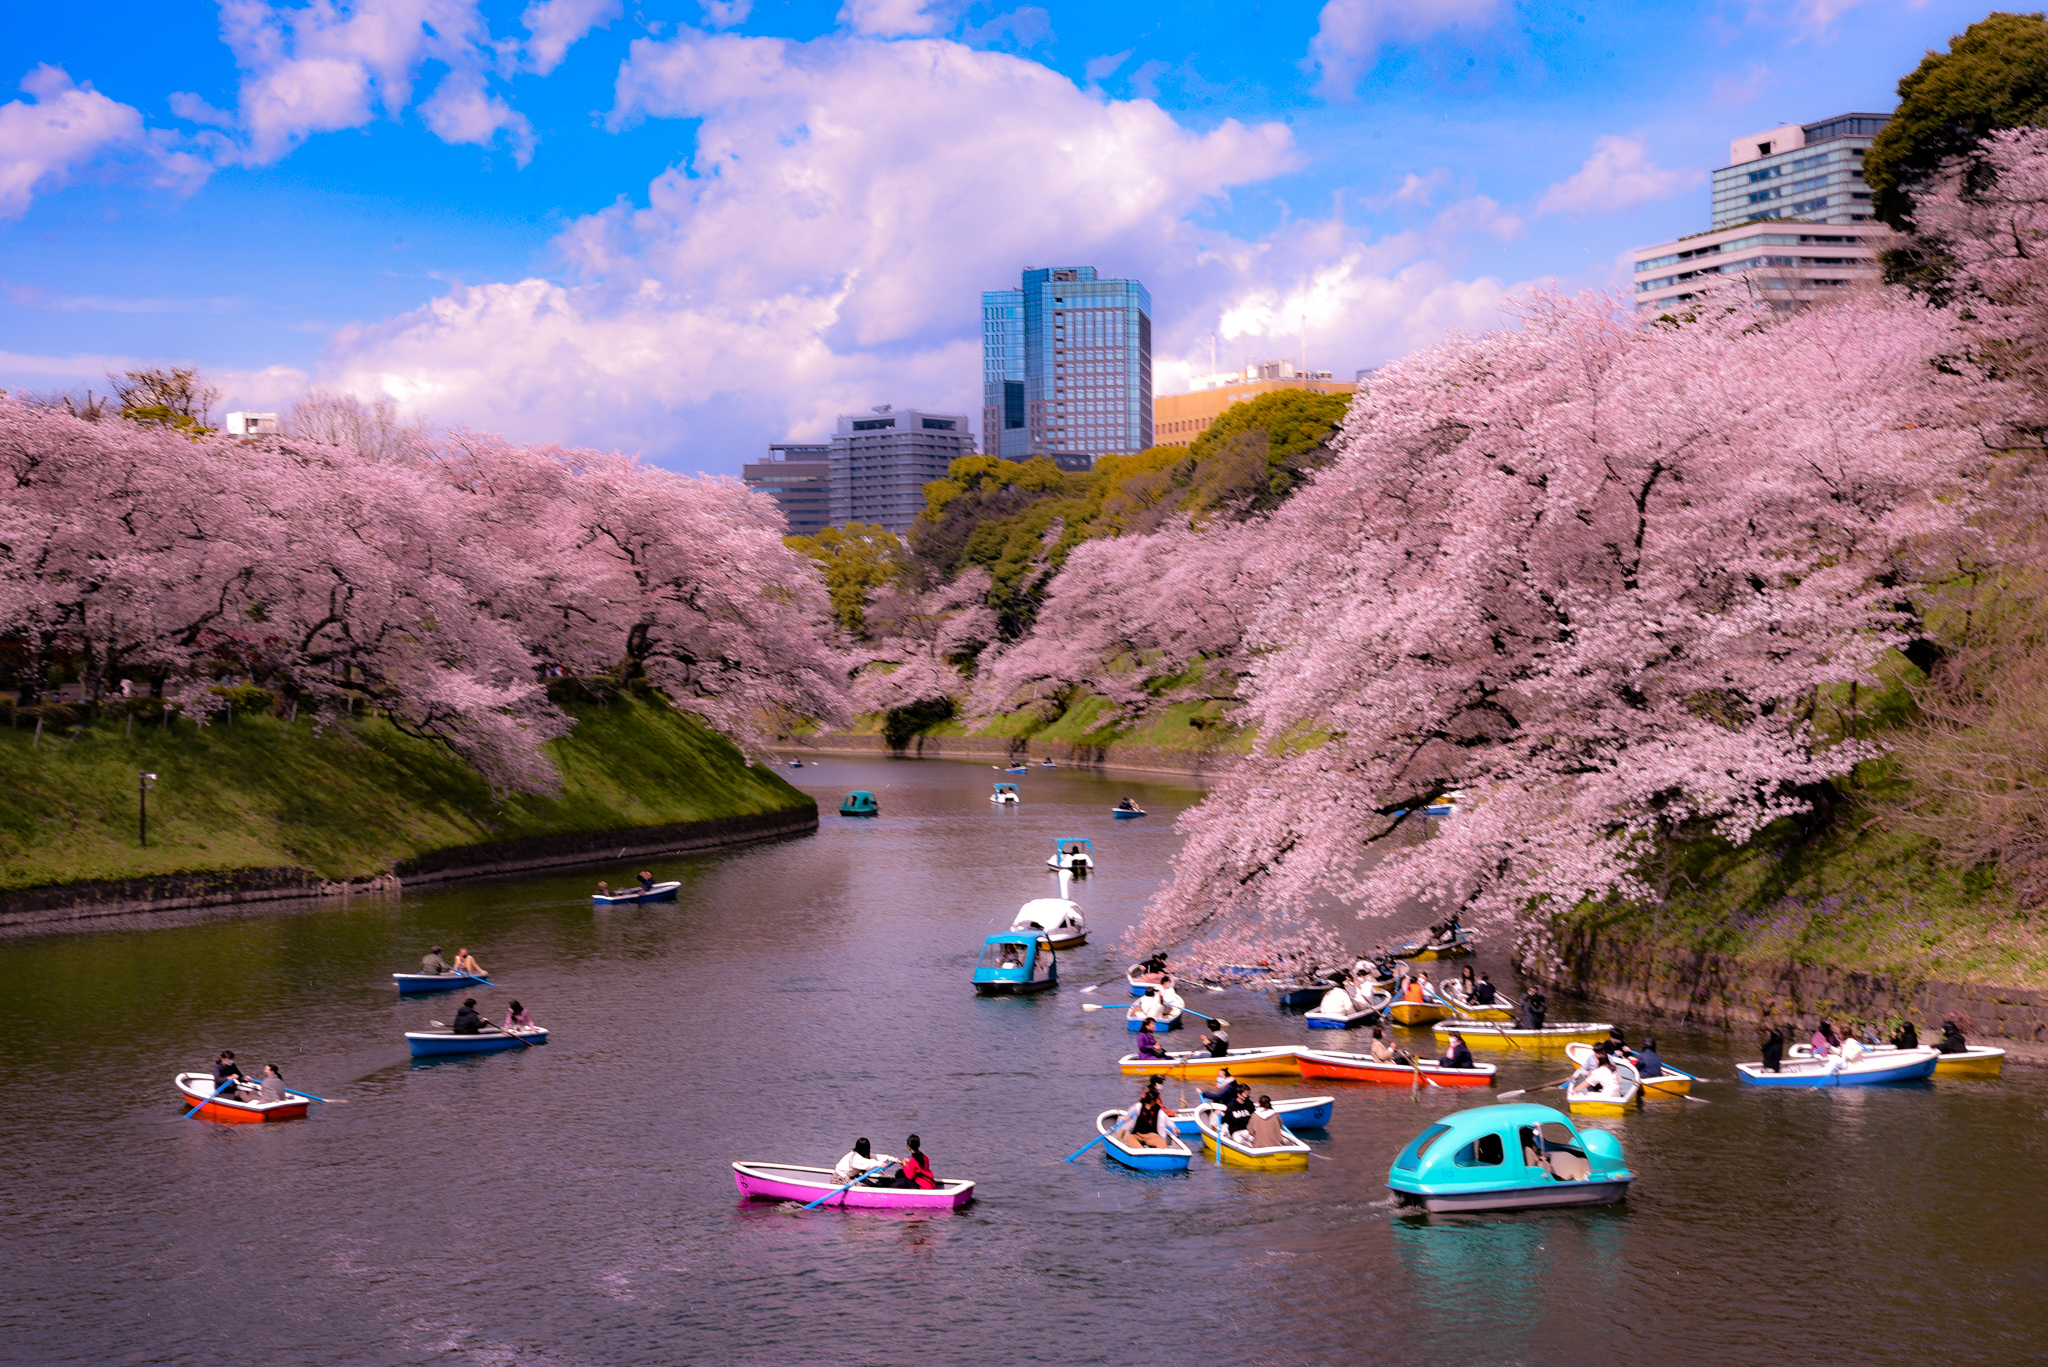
x=1178 y=419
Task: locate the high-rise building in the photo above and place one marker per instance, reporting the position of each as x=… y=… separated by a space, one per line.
x=1183 y=417
x=800 y=479
x=1790 y=213
x=1066 y=367
x=881 y=461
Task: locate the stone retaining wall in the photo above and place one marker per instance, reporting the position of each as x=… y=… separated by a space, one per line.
x=1146 y=759
x=86 y=905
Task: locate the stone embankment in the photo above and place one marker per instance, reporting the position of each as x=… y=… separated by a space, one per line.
x=1144 y=759
x=1739 y=995
x=88 y=905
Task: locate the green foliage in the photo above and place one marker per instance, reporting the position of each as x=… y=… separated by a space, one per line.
x=858 y=559
x=347 y=801
x=1994 y=75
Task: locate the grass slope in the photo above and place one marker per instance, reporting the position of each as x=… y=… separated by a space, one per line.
x=1196 y=728
x=348 y=802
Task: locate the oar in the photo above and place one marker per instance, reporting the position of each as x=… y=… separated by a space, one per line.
x=1213 y=1020
x=1125 y=975
x=1539 y=1087
x=1089 y=1145
x=834 y=1192
x=308 y=1096
x=215 y=1097
x=1642 y=1081
x=1304 y=1143
x=475 y=979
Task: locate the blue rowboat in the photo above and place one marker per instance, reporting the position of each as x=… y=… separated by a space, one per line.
x=1126 y=813
x=1018 y=769
x=435 y=1043
x=660 y=892
x=1509 y=1157
x=409 y=983
x=1134 y=1022
x=1296 y=1112
x=1173 y=1158
x=1890 y=1065
x=1303 y=997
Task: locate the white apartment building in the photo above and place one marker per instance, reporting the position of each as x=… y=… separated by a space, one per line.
x=1791 y=216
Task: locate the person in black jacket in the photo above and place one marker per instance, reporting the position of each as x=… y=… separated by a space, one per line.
x=1905 y=1037
x=223 y=1071
x=1952 y=1041
x=1237 y=1112
x=1774 y=1050
x=1482 y=992
x=467 y=1021
x=1535 y=1006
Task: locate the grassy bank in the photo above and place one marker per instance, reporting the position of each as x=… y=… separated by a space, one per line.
x=1194 y=729
x=1858 y=896
x=349 y=801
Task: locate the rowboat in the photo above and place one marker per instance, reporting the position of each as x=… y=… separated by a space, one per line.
x=1301 y=996
x=1459 y=947
x=1670 y=1082
x=1365 y=1014
x=859 y=802
x=436 y=1043
x=1289 y=1156
x=660 y=892
x=1628 y=1092
x=1015 y=964
x=409 y=983
x=1047 y=764
x=198 y=1088
x=1133 y=1022
x=1497 y=1035
x=1073 y=854
x=1296 y=1112
x=1501 y=1008
x=1272 y=1060
x=1005 y=793
x=1430 y=1008
x=789 y=1182
x=1976 y=1061
x=1126 y=813
x=1349 y=1067
x=1174 y=1158
x=1876 y=1066
x=1018 y=769
x=1138 y=983
x=1508 y=1157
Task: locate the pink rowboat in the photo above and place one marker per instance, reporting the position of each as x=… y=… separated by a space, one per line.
x=788 y=1182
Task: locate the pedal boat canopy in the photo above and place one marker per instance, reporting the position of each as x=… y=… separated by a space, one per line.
x=1508 y=1157
x=1016 y=962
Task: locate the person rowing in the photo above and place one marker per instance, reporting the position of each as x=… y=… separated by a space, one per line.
x=1237 y=1112
x=227 y=1073
x=860 y=1161
x=1141 y=1127
x=1600 y=1079
x=1384 y=1052
x=1417 y=988
x=647 y=880
x=1152 y=1006
x=273 y=1084
x=1225 y=1088
x=432 y=962
x=1952 y=1041
x=1648 y=1062
x=1483 y=992
x=1216 y=1043
x=1337 y=1002
x=467 y=1021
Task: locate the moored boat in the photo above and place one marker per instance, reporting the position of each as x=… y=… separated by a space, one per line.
x=1288 y=1156
x=1500 y=1035
x=1005 y=793
x=1055 y=919
x=1173 y=1158
x=1350 y=1067
x=660 y=892
x=1016 y=963
x=435 y=1043
x=409 y=983
x=1508 y=1157
x=859 y=802
x=791 y=1182
x=198 y=1089
x=1273 y=1060
x=1072 y=854
x=1874 y=1068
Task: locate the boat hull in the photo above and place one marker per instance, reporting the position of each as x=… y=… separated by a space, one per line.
x=1316 y=1020
x=1024 y=989
x=1868 y=1071
x=1122 y=815
x=412 y=983
x=1296 y=1113
x=787 y=1182
x=1977 y=1062
x=1430 y=953
x=196 y=1088
x=660 y=892
x=860 y=811
x=1495 y=1035
x=1516 y=1198
x=1137 y=1157
x=437 y=1044
x=1418 y=1013
x=1667 y=1083
x=1363 y=1068
x=1159 y=1027
x=1250 y=1063
x=1303 y=998
x=1292 y=1158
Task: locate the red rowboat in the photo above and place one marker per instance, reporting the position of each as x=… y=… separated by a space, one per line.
x=198 y=1087
x=1350 y=1067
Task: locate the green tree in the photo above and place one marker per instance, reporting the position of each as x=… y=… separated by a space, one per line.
x=1994 y=75
x=857 y=559
x=166 y=398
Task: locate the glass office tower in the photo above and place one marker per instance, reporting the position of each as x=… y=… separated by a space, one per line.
x=1067 y=367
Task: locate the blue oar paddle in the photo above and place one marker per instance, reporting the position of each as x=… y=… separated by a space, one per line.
x=215 y=1097
x=1085 y=1147
x=475 y=979
x=308 y=1096
x=836 y=1190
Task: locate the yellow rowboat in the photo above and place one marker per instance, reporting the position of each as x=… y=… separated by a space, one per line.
x=1496 y=1035
x=1276 y=1060
x=1670 y=1082
x=1417 y=1013
x=1606 y=1103
x=1291 y=1156
x=1976 y=1061
x=1501 y=1008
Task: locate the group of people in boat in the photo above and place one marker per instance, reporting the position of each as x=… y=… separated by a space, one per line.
x=1445 y=933
x=646 y=881
x=1839 y=1048
x=871 y=1169
x=465 y=964
x=469 y=1021
x=230 y=1083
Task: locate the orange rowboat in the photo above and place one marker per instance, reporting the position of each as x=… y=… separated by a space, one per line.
x=1348 y=1067
x=198 y=1087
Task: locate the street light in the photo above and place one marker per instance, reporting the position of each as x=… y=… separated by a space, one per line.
x=143 y=784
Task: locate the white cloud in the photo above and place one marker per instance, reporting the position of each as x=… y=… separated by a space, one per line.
x=890 y=18
x=726 y=13
x=1350 y=33
x=68 y=126
x=1025 y=27
x=555 y=26
x=461 y=110
x=1618 y=175
x=1730 y=91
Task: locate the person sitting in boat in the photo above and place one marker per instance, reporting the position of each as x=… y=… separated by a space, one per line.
x=1383 y=1052
x=1457 y=1053
x=1483 y=992
x=1013 y=956
x=1152 y=1006
x=1216 y=1044
x=1413 y=991
x=1225 y=1088
x=518 y=1018
x=1905 y=1037
x=1266 y=1130
x=1824 y=1040
x=1535 y=1006
x=432 y=962
x=1467 y=982
x=604 y=889
x=465 y=962
x=1148 y=1043
x=1336 y=1002
x=1153 y=970
x=1142 y=1128
x=1236 y=1120
x=860 y=1161
x=647 y=880
x=273 y=1084
x=914 y=1170
x=1851 y=1050
x=1952 y=1041
x=1127 y=805
x=1774 y=1050
x=228 y=1073
x=1601 y=1079
x=467 y=1021
x=1648 y=1062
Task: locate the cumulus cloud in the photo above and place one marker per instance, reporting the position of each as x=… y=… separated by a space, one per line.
x=890 y=18
x=555 y=26
x=822 y=251
x=461 y=110
x=726 y=13
x=1618 y=175
x=68 y=126
x=1350 y=33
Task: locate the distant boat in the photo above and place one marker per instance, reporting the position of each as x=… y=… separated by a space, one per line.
x=660 y=892
x=859 y=802
x=409 y=983
x=1018 y=769
x=1047 y=764
x=796 y=764
x=434 y=1043
x=198 y=1090
x=789 y=1182
x=1006 y=793
x=1073 y=854
x=1126 y=810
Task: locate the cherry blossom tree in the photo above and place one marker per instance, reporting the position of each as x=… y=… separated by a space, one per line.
x=920 y=638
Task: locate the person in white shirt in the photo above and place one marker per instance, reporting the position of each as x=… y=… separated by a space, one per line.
x=1336 y=1002
x=860 y=1162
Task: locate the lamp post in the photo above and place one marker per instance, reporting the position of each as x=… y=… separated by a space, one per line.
x=143 y=783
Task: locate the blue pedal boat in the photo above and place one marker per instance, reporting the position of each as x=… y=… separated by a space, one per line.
x=1508 y=1157
x=1174 y=1158
x=1072 y=853
x=859 y=802
x=1015 y=964
x=409 y=983
x=436 y=1043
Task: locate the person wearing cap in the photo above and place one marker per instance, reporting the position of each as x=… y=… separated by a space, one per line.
x=432 y=962
x=1649 y=1063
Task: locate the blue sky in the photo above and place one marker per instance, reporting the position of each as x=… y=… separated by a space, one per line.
x=689 y=229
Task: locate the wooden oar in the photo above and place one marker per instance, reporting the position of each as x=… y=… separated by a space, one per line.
x=1539 y=1087
x=215 y=1097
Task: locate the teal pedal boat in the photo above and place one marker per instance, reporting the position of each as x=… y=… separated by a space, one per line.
x=1508 y=1157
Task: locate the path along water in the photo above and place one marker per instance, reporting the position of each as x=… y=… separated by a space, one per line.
x=574 y=1204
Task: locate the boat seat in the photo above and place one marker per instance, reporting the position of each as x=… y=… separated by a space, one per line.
x=1569 y=1167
